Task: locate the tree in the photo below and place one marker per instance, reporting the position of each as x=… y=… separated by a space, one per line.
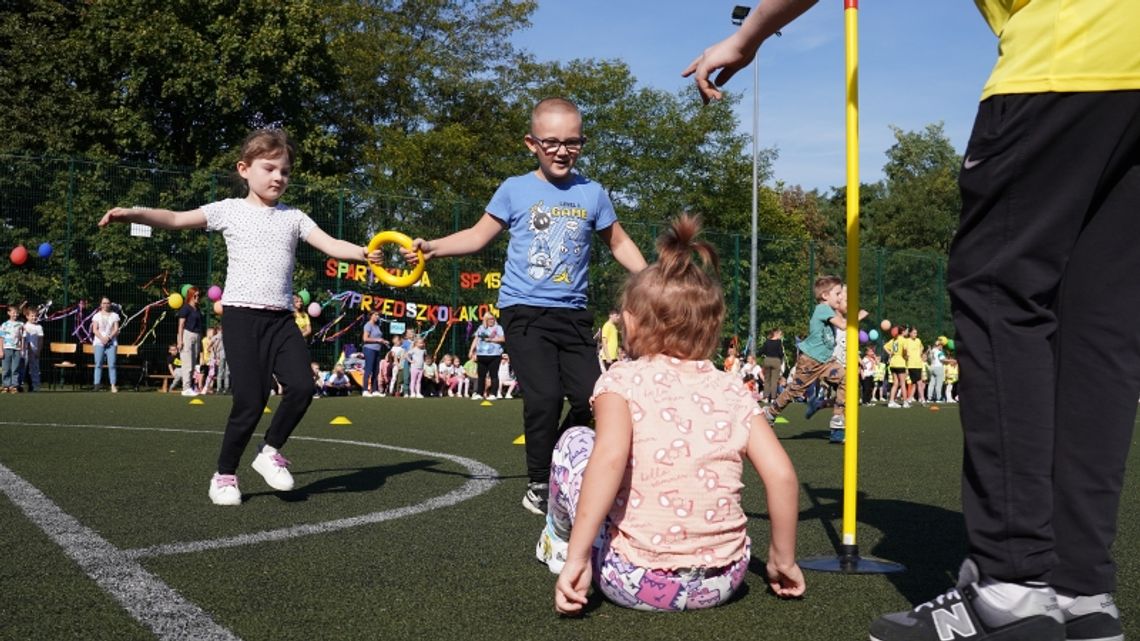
x=920 y=207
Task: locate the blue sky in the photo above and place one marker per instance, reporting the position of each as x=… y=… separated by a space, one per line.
x=922 y=61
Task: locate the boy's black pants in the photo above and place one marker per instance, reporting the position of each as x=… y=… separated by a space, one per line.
x=555 y=356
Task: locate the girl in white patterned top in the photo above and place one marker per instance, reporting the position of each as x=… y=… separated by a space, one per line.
x=263 y=340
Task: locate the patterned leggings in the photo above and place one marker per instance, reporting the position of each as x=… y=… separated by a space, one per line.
x=622 y=582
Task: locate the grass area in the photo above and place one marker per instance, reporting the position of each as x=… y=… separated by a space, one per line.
x=462 y=571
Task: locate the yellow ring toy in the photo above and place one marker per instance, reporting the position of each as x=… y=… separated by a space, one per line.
x=383 y=275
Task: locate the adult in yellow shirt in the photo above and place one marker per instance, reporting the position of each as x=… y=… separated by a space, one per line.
x=1044 y=295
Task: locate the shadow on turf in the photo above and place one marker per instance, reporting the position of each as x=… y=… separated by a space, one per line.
x=814 y=435
x=929 y=540
x=363 y=479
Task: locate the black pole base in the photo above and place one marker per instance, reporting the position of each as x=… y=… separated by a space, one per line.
x=849 y=562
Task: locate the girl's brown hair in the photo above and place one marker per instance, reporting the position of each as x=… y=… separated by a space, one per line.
x=266 y=143
x=676 y=304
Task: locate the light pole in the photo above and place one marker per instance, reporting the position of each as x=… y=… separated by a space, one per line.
x=739 y=13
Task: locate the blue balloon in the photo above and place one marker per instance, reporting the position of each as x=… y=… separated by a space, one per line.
x=45 y=250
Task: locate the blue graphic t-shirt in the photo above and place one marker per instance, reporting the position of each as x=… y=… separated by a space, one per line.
x=550 y=225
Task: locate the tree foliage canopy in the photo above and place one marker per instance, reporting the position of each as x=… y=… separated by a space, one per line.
x=427 y=100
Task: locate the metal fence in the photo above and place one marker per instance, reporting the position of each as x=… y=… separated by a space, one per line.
x=57 y=202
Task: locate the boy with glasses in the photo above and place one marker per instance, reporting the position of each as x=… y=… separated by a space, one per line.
x=550 y=213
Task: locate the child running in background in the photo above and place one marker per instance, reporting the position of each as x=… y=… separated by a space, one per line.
x=816 y=361
x=672 y=536
x=839 y=355
x=261 y=237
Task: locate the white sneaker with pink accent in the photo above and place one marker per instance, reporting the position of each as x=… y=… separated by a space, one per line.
x=274 y=468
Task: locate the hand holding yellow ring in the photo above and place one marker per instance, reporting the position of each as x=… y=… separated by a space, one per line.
x=382 y=274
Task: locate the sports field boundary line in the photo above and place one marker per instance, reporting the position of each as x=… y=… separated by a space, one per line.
x=147 y=599
x=481 y=479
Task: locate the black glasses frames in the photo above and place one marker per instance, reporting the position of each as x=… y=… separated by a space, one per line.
x=552 y=145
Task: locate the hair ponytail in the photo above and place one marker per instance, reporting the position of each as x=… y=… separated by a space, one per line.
x=677 y=302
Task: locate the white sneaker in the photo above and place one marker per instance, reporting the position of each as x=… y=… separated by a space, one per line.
x=366 y=394
x=906 y=404
x=189 y=392
x=893 y=405
x=274 y=468
x=508 y=395
x=224 y=490
x=551 y=550
x=476 y=397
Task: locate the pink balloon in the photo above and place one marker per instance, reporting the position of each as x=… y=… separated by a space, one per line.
x=214 y=293
x=314 y=309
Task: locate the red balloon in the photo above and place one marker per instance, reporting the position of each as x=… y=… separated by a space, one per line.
x=19 y=255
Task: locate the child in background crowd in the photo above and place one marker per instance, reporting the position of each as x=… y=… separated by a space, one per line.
x=33 y=341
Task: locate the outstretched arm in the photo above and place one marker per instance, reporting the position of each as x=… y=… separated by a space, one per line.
x=341 y=249
x=461 y=243
x=161 y=218
x=735 y=52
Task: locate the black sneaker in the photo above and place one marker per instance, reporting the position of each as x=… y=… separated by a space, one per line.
x=1092 y=618
x=962 y=614
x=536 y=497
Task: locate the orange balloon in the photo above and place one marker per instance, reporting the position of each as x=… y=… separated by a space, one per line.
x=19 y=255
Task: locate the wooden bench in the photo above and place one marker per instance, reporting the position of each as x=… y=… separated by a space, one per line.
x=125 y=359
x=166 y=380
x=63 y=362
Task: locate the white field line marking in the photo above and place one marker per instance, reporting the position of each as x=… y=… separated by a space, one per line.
x=482 y=478
x=146 y=598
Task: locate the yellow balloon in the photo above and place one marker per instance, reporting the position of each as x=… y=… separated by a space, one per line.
x=174 y=300
x=404 y=241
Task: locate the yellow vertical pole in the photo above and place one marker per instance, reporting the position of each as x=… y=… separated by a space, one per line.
x=851 y=412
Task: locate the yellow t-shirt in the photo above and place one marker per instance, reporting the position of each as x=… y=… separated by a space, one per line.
x=609 y=341
x=302 y=321
x=1063 y=45
x=913 y=353
x=894 y=348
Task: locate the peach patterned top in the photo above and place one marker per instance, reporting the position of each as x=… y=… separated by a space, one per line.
x=679 y=503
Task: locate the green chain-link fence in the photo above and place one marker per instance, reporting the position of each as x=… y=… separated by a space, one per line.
x=59 y=201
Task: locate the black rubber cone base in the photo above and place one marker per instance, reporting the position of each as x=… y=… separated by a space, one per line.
x=848 y=561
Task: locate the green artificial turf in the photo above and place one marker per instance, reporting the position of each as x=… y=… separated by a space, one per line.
x=465 y=571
